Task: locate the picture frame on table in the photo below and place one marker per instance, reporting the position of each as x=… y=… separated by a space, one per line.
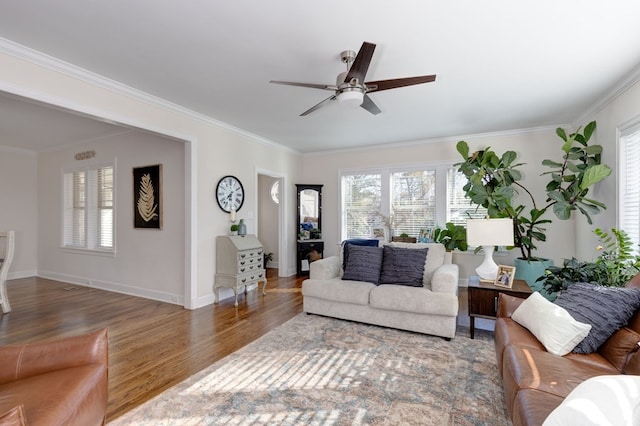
x=505 y=276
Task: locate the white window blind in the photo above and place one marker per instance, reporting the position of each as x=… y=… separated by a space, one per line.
x=88 y=212
x=629 y=184
x=406 y=201
x=361 y=200
x=459 y=207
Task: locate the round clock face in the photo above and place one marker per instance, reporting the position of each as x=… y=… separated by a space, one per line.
x=230 y=194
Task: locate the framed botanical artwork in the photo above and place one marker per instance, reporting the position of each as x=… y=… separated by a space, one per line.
x=505 y=276
x=147 y=197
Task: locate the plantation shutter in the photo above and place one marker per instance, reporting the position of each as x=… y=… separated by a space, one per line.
x=459 y=207
x=74 y=209
x=104 y=231
x=88 y=209
x=629 y=215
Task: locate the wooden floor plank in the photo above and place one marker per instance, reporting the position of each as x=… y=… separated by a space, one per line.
x=152 y=345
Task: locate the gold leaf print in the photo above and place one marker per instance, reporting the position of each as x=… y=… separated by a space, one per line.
x=146 y=203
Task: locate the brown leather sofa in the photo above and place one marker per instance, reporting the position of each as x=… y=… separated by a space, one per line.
x=62 y=382
x=535 y=381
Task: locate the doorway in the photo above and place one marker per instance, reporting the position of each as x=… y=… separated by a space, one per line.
x=270 y=202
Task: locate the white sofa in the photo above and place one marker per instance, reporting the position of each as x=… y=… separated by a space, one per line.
x=431 y=309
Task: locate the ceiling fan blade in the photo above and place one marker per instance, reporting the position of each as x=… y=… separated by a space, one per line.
x=376 y=86
x=320 y=105
x=360 y=65
x=370 y=106
x=311 y=85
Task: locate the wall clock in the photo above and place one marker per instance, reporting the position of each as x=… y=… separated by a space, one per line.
x=230 y=194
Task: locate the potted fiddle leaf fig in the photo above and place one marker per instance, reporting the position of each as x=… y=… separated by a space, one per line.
x=494 y=180
x=452 y=236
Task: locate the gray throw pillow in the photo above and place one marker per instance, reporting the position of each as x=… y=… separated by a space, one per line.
x=607 y=309
x=403 y=266
x=364 y=264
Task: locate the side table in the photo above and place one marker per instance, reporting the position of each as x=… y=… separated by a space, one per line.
x=483 y=299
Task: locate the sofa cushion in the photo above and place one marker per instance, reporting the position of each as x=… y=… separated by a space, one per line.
x=607 y=309
x=360 y=242
x=403 y=266
x=436 y=257
x=619 y=346
x=552 y=325
x=417 y=300
x=355 y=292
x=603 y=400
x=13 y=417
x=363 y=263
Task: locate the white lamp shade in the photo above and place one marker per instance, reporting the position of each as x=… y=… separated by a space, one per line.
x=490 y=232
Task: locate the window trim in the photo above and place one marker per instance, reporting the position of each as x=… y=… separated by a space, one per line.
x=93 y=250
x=441 y=169
x=627 y=129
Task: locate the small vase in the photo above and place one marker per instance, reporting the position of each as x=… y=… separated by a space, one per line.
x=242 y=228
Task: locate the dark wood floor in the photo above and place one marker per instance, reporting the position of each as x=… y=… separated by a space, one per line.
x=152 y=345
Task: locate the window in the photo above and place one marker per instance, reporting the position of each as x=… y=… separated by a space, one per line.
x=88 y=201
x=406 y=200
x=629 y=190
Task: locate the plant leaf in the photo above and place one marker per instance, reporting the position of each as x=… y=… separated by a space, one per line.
x=463 y=149
x=594 y=174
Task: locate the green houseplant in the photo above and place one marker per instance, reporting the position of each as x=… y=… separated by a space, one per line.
x=452 y=236
x=494 y=181
x=615 y=265
x=234 y=229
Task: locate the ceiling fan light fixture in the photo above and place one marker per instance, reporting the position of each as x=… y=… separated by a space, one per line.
x=351 y=98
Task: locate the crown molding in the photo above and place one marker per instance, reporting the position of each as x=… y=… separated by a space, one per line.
x=4 y=148
x=447 y=139
x=54 y=64
x=616 y=91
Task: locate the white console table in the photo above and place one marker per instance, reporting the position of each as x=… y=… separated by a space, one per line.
x=239 y=263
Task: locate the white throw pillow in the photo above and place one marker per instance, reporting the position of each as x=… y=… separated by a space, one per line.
x=552 y=325
x=601 y=400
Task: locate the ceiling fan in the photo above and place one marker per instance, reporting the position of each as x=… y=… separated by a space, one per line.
x=350 y=86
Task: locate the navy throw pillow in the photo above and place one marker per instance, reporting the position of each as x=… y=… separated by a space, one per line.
x=403 y=266
x=356 y=242
x=607 y=309
x=364 y=264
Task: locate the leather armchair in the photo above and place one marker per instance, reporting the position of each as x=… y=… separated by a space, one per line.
x=61 y=382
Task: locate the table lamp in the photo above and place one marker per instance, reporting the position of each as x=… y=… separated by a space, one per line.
x=489 y=233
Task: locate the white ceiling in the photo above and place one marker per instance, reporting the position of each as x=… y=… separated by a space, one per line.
x=500 y=64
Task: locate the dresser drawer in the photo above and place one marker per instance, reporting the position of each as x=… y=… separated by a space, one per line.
x=249 y=254
x=251 y=277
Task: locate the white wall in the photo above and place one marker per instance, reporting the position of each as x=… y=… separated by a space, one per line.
x=19 y=207
x=268 y=218
x=213 y=150
x=609 y=118
x=147 y=262
x=532 y=146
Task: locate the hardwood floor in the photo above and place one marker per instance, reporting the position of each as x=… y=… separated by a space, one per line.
x=152 y=345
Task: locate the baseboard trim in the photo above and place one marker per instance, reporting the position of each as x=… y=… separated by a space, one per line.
x=160 y=296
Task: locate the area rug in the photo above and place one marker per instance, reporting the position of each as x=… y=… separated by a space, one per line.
x=314 y=370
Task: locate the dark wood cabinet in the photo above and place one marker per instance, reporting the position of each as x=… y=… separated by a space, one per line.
x=483 y=299
x=310 y=246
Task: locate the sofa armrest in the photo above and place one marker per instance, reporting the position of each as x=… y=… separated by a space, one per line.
x=22 y=361
x=445 y=279
x=507 y=305
x=325 y=269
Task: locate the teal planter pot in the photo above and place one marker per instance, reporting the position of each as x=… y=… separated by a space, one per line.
x=530 y=271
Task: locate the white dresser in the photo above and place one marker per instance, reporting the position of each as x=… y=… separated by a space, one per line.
x=239 y=263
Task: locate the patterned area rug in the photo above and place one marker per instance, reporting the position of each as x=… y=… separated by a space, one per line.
x=314 y=370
